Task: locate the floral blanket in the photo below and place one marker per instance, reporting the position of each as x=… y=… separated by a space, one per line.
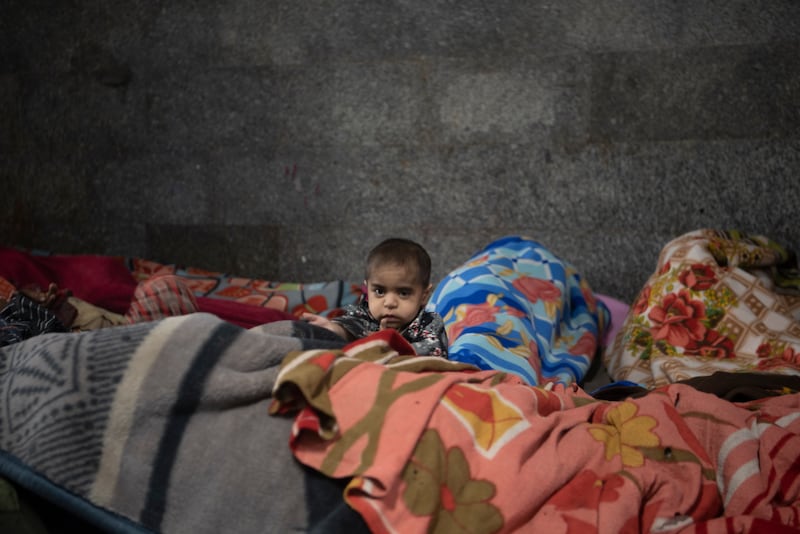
x=437 y=446
x=325 y=298
x=516 y=307
x=718 y=301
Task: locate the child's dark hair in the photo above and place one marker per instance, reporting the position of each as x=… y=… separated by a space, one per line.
x=401 y=252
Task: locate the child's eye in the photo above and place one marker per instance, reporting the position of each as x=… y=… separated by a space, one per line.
x=378 y=291
x=405 y=293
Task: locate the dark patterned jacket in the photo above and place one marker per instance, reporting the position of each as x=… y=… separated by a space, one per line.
x=425 y=332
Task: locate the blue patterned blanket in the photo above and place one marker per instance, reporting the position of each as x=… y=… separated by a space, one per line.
x=514 y=306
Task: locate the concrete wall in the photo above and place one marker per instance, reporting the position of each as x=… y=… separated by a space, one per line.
x=283 y=138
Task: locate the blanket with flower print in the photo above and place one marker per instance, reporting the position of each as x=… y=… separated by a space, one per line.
x=431 y=445
x=517 y=307
x=323 y=298
x=718 y=301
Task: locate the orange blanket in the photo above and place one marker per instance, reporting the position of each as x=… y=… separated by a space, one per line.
x=437 y=446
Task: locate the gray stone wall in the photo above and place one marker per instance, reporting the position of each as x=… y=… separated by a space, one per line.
x=282 y=139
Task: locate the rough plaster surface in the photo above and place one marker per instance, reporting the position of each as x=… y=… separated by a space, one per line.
x=282 y=139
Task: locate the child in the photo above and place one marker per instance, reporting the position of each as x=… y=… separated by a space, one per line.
x=398 y=286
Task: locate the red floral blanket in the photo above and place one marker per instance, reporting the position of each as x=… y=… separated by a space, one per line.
x=718 y=301
x=434 y=446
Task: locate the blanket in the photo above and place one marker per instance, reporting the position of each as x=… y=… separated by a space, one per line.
x=161 y=427
x=517 y=307
x=322 y=298
x=718 y=301
x=440 y=446
x=109 y=282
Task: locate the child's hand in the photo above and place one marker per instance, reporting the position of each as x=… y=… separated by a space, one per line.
x=324 y=322
x=316 y=320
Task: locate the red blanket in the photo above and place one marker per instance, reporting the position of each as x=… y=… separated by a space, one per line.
x=106 y=282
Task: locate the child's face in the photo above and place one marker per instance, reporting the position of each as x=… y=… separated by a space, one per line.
x=394 y=295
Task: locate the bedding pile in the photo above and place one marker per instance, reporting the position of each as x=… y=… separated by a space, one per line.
x=718 y=301
x=108 y=283
x=434 y=446
x=181 y=424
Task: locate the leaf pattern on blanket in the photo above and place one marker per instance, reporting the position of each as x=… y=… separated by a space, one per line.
x=439 y=484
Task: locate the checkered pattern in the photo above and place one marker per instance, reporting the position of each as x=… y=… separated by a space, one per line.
x=725 y=311
x=160 y=297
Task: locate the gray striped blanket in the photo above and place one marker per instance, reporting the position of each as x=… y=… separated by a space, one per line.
x=160 y=427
